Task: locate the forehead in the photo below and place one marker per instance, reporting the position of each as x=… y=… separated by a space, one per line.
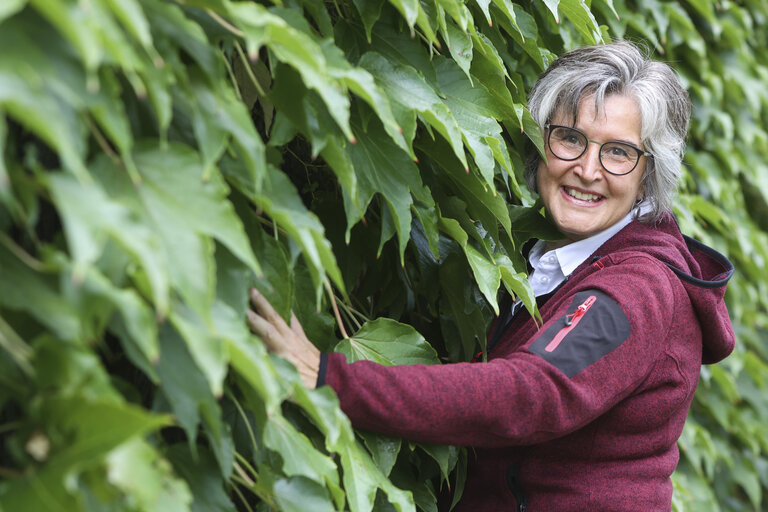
x=589 y=108
x=617 y=117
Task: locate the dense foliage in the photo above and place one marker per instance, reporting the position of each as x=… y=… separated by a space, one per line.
x=360 y=162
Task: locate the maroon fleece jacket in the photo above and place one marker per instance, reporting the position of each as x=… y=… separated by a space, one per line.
x=583 y=412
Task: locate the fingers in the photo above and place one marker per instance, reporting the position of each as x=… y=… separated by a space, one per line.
x=266 y=311
x=264 y=330
x=296 y=326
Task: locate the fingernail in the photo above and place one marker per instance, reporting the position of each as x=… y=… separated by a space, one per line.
x=255 y=292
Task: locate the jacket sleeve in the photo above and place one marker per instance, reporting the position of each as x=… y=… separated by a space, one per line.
x=551 y=384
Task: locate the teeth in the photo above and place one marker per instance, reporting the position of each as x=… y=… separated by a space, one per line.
x=580 y=195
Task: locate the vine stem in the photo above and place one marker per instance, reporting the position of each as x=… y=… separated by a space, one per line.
x=224 y=23
x=335 y=308
x=247 y=65
x=352 y=314
x=24 y=256
x=245 y=476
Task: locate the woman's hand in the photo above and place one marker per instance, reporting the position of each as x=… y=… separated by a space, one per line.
x=288 y=342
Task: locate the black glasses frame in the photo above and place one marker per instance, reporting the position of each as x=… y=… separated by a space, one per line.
x=640 y=152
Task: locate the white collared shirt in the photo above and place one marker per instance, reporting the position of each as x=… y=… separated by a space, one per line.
x=552 y=267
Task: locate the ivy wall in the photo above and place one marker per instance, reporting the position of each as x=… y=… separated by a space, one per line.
x=360 y=162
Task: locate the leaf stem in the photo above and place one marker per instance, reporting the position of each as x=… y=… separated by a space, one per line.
x=248 y=70
x=245 y=462
x=101 y=140
x=24 y=256
x=335 y=308
x=245 y=476
x=231 y=74
x=242 y=498
x=224 y=23
x=352 y=314
x=247 y=424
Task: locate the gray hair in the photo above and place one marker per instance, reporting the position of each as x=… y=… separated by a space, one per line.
x=621 y=68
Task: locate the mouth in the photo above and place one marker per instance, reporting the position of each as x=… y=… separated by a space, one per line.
x=582 y=196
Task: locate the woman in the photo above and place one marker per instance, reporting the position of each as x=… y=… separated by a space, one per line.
x=583 y=413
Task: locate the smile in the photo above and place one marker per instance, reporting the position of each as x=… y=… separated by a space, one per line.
x=583 y=196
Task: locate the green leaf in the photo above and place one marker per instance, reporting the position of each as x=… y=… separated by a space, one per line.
x=445 y=456
x=361 y=82
x=388 y=342
x=299 y=456
x=383 y=449
x=487 y=275
x=476 y=112
x=482 y=204
x=508 y=10
x=184 y=386
x=11 y=7
x=138 y=319
x=230 y=115
x=131 y=15
x=409 y=9
x=408 y=88
x=15 y=347
x=38 y=295
x=186 y=211
x=91 y=217
x=26 y=97
x=382 y=167
x=460 y=46
x=578 y=13
x=299 y=494
x=202 y=476
x=552 y=6
x=249 y=358
x=279 y=199
x=362 y=478
x=465 y=326
x=297 y=49
x=97 y=428
x=136 y=468
x=517 y=284
x=370 y=11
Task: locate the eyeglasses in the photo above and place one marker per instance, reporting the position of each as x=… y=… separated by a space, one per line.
x=618 y=158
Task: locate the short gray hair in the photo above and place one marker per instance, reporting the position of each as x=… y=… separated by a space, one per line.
x=621 y=68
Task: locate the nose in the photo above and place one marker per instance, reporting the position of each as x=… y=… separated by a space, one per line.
x=589 y=168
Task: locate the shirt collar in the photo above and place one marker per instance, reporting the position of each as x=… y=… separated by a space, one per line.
x=574 y=254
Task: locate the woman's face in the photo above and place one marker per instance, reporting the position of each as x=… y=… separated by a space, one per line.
x=580 y=196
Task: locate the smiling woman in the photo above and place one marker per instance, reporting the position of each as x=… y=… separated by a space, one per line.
x=580 y=195
x=582 y=412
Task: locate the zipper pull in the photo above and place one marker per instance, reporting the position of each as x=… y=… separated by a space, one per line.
x=570 y=322
x=569 y=319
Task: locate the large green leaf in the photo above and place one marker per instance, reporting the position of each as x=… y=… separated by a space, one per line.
x=382 y=168
x=408 y=89
x=387 y=342
x=299 y=456
x=475 y=111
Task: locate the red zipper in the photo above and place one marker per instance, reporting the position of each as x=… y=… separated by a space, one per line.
x=571 y=321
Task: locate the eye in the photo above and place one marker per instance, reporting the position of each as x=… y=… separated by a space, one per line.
x=616 y=151
x=568 y=137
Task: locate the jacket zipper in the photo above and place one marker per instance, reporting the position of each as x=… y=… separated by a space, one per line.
x=513 y=482
x=571 y=321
